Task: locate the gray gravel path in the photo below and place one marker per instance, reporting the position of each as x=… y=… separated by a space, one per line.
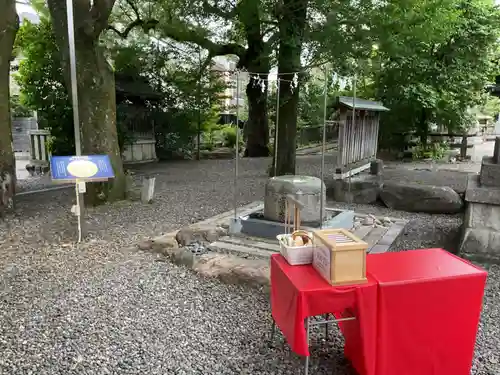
x=106 y=308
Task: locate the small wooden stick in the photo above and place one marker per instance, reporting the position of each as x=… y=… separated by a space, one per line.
x=297 y=226
x=286 y=216
x=295 y=218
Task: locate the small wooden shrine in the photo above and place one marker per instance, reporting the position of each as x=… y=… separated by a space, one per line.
x=358 y=140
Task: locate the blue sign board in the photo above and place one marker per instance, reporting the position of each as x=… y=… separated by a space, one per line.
x=81 y=168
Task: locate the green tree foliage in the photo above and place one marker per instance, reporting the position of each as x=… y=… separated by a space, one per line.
x=18 y=109
x=189 y=100
x=245 y=29
x=41 y=83
x=427 y=60
x=433 y=61
x=490 y=106
x=172 y=76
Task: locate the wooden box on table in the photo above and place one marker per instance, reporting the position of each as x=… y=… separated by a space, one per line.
x=339 y=256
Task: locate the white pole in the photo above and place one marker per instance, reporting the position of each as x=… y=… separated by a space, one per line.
x=351 y=134
x=237 y=147
x=76 y=118
x=276 y=125
x=323 y=150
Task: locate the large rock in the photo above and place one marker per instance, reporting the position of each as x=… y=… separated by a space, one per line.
x=305 y=189
x=365 y=189
x=234 y=270
x=421 y=198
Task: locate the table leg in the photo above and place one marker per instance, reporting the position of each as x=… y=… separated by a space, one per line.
x=327 y=316
x=273 y=331
x=306 y=371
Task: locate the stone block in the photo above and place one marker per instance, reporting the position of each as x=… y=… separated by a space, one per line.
x=496 y=151
x=234 y=270
x=376 y=167
x=378 y=249
x=148 y=189
x=365 y=189
x=182 y=257
x=490 y=173
x=165 y=244
x=482 y=216
x=476 y=193
x=481 y=244
x=305 y=189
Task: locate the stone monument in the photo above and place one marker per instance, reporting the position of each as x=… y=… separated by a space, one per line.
x=305 y=189
x=481 y=232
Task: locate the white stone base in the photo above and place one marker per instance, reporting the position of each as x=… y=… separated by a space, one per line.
x=141 y=151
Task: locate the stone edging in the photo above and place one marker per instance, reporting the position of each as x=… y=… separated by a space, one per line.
x=229 y=268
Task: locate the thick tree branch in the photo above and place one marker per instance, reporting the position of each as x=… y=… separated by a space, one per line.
x=99 y=16
x=274 y=38
x=145 y=25
x=187 y=35
x=217 y=11
x=138 y=22
x=134 y=8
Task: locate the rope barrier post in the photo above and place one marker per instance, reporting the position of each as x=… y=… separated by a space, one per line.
x=351 y=135
x=276 y=126
x=237 y=147
x=323 y=151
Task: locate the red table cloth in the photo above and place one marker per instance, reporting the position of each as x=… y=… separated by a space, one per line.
x=429 y=304
x=298 y=292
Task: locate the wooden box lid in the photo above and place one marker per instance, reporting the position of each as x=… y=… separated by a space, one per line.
x=339 y=239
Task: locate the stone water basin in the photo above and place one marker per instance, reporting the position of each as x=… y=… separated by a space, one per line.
x=255 y=225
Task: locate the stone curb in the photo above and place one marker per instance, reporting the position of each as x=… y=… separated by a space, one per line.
x=228 y=268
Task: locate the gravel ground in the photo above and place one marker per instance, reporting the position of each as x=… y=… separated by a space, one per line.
x=33 y=184
x=105 y=308
x=422 y=230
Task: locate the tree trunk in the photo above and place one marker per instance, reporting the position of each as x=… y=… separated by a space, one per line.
x=257 y=127
x=423 y=129
x=257 y=62
x=292 y=25
x=96 y=98
x=9 y=24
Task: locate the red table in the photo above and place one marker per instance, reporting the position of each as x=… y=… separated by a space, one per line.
x=299 y=292
x=429 y=304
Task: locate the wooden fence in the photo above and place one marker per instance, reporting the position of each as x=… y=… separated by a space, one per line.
x=357 y=142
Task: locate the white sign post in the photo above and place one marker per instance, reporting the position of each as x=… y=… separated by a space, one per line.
x=76 y=117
